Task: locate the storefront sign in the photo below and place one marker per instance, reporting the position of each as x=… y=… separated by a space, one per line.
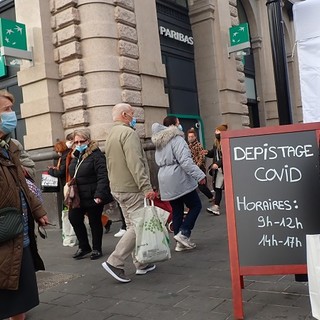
x=272 y=191
x=3 y=67
x=13 y=42
x=239 y=38
x=13 y=34
x=239 y=34
x=166 y=32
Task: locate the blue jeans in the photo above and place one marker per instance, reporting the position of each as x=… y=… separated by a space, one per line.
x=185 y=225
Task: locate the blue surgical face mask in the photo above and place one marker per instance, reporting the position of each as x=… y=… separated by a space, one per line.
x=133 y=122
x=8 y=122
x=180 y=127
x=81 y=147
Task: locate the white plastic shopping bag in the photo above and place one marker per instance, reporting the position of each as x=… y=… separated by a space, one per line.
x=152 y=238
x=313 y=263
x=69 y=238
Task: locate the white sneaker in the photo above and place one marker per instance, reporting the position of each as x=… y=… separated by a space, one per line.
x=120 y=233
x=148 y=268
x=215 y=209
x=185 y=241
x=180 y=247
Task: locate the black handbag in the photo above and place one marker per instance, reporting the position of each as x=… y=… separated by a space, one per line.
x=11 y=223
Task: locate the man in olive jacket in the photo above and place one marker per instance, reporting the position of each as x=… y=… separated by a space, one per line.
x=129 y=182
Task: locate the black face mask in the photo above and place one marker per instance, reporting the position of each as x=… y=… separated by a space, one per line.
x=218 y=136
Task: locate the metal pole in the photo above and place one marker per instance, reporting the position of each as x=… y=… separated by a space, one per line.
x=279 y=61
x=280 y=71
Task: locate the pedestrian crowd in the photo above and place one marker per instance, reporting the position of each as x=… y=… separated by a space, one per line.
x=90 y=180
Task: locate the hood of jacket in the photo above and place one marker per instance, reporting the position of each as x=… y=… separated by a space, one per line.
x=92 y=146
x=161 y=135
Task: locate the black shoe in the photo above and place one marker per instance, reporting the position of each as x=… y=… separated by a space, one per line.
x=81 y=253
x=107 y=226
x=117 y=273
x=95 y=255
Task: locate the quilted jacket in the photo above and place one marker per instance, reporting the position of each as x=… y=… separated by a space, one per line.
x=178 y=174
x=92 y=176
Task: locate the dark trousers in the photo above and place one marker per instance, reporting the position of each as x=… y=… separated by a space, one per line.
x=185 y=225
x=205 y=190
x=76 y=217
x=218 y=196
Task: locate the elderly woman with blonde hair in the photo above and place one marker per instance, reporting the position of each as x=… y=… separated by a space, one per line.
x=19 y=257
x=88 y=167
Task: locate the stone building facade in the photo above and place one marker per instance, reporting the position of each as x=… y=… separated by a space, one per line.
x=92 y=54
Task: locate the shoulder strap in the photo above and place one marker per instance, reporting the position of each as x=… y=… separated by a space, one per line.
x=58 y=164
x=77 y=167
x=218 y=156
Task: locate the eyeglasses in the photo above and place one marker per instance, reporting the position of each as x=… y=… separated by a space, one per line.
x=42 y=231
x=80 y=141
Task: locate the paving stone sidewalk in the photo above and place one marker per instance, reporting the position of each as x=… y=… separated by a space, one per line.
x=193 y=285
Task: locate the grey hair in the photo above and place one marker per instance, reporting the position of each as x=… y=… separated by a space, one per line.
x=118 y=109
x=84 y=133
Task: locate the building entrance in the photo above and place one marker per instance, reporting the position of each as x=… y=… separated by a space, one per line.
x=178 y=57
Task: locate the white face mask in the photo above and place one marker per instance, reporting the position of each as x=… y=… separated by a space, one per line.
x=69 y=144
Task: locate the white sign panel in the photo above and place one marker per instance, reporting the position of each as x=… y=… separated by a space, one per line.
x=307 y=27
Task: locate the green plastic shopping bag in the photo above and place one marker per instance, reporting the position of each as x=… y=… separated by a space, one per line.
x=152 y=238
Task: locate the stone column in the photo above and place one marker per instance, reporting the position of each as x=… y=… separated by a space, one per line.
x=261 y=48
x=65 y=23
x=42 y=106
x=154 y=101
x=100 y=57
x=220 y=79
x=151 y=69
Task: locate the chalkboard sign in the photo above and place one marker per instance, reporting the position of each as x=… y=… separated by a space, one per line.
x=276 y=196
x=272 y=191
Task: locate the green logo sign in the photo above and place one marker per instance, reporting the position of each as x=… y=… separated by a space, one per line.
x=3 y=67
x=239 y=34
x=13 y=34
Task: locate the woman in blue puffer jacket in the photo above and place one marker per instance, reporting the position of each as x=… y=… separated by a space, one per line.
x=178 y=178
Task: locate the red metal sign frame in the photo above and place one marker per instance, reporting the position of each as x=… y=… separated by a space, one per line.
x=238 y=271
